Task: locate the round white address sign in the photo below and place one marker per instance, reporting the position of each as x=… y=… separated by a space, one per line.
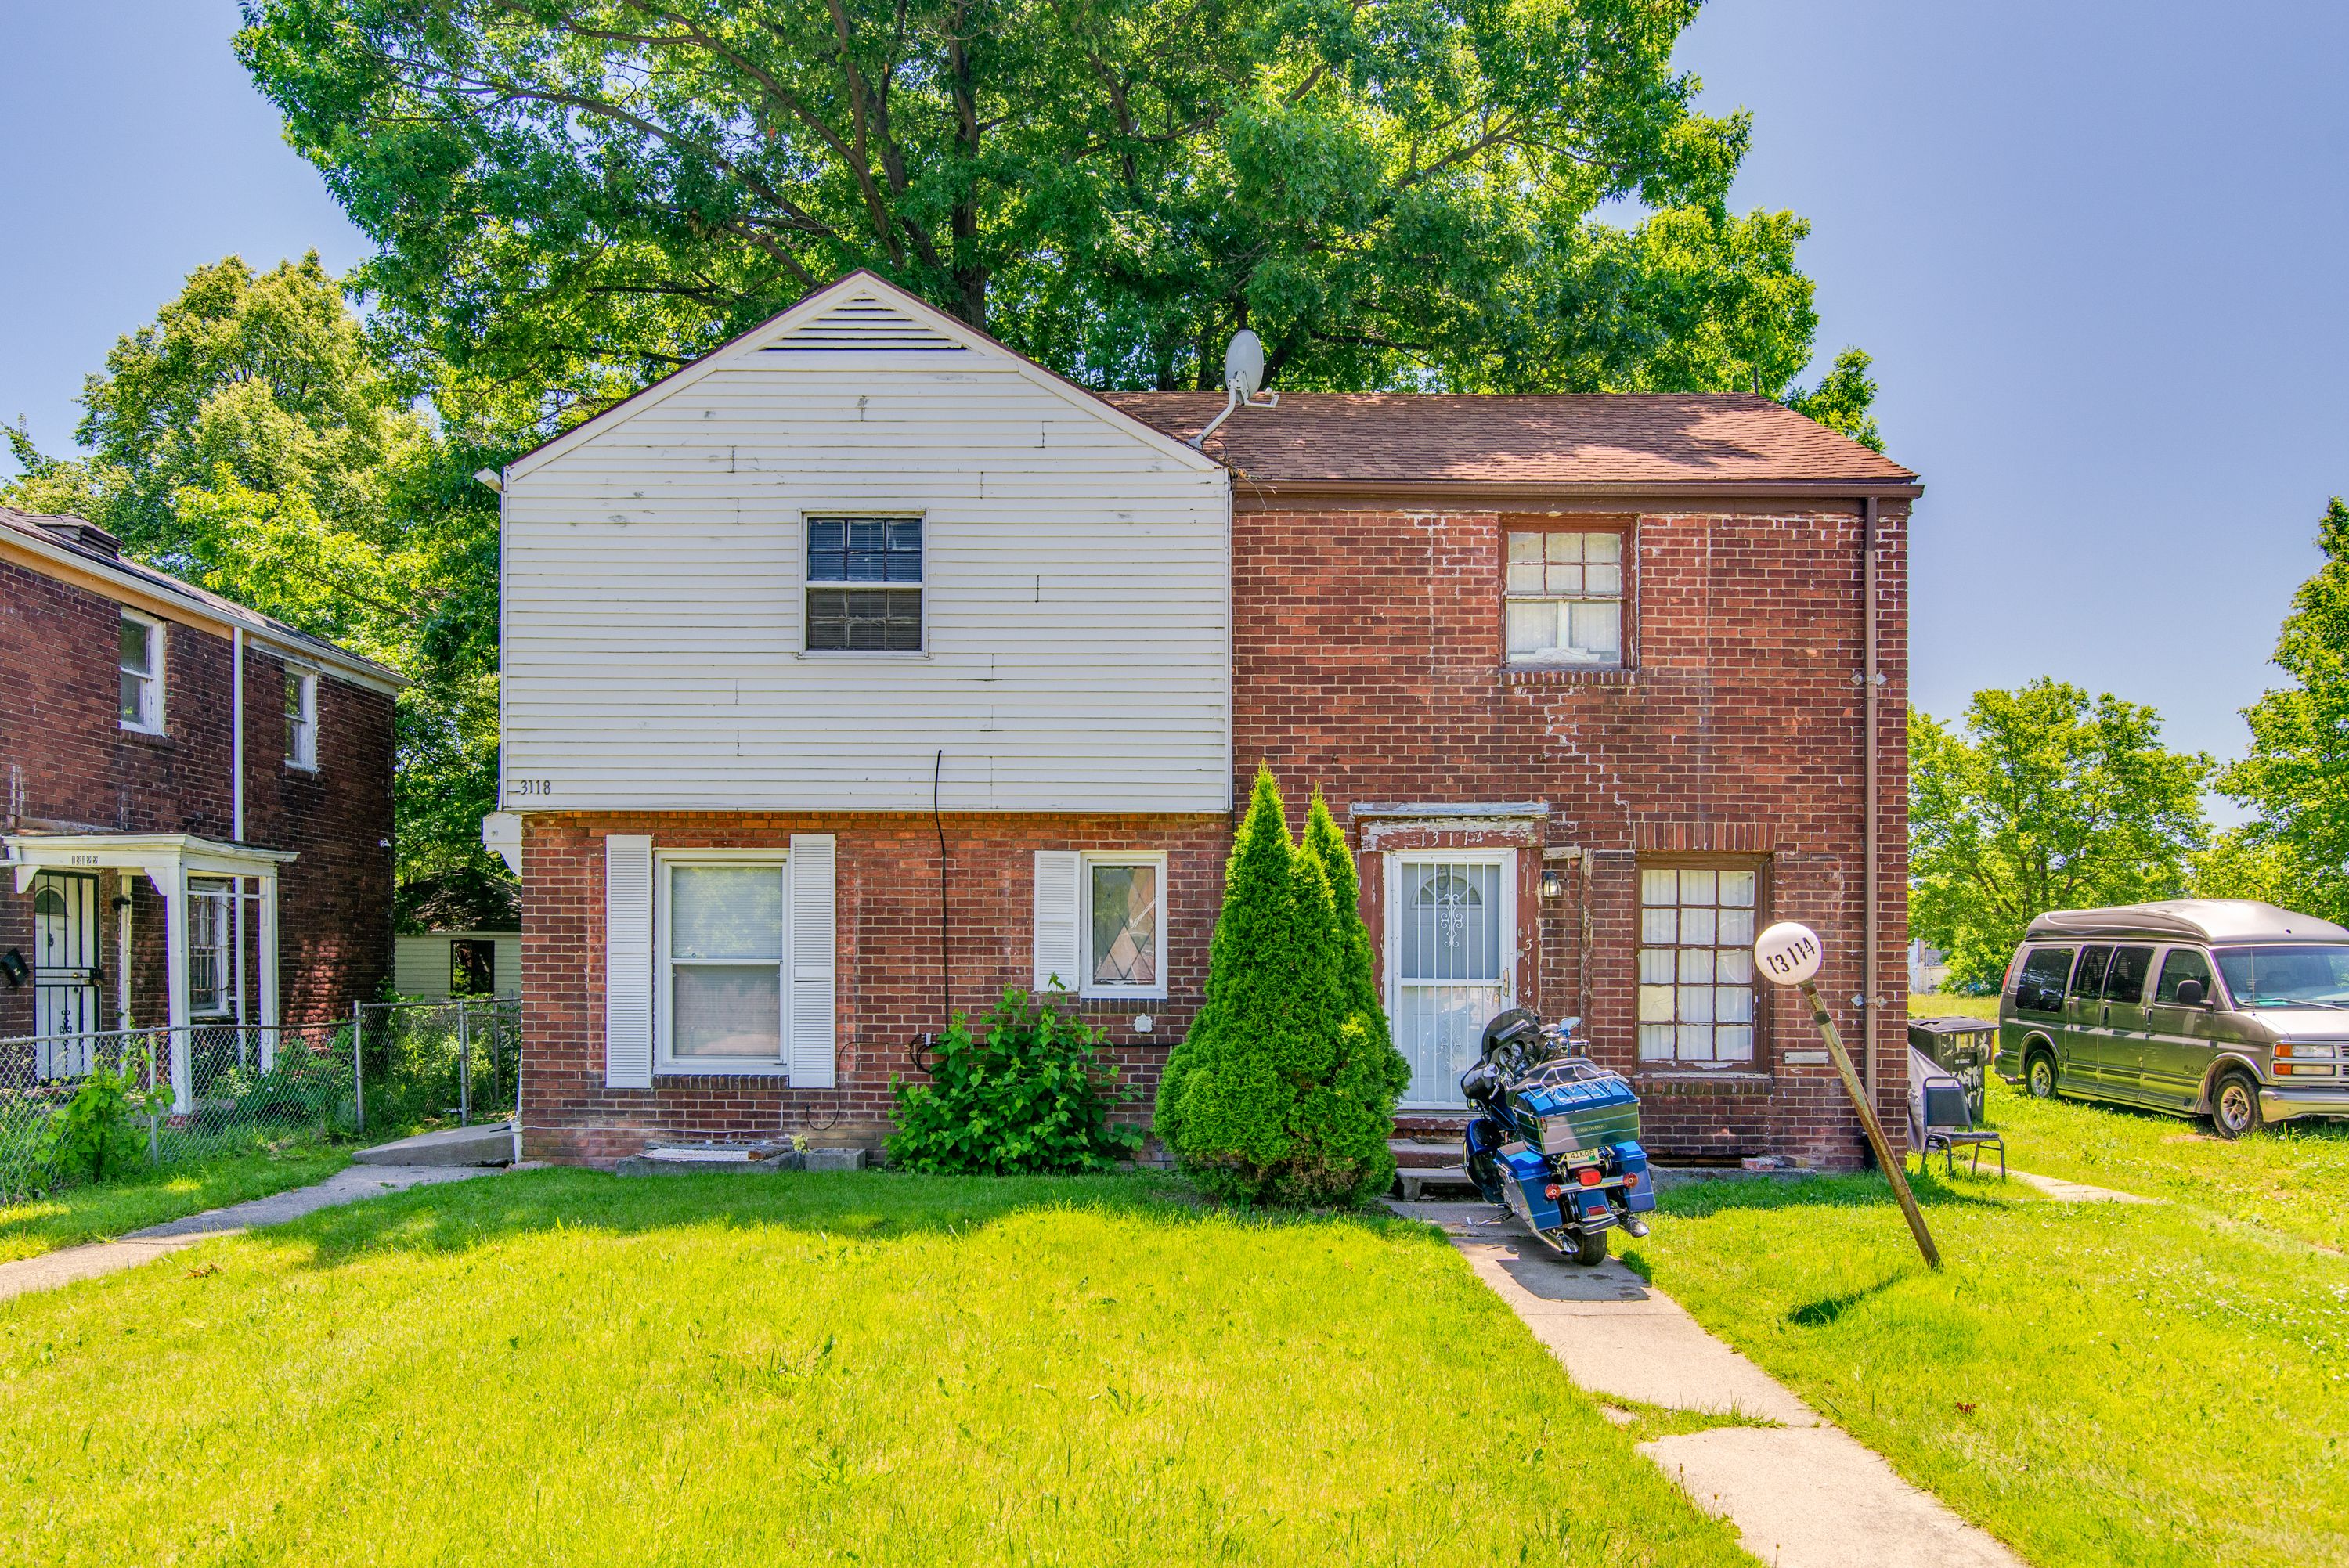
x=1787 y=953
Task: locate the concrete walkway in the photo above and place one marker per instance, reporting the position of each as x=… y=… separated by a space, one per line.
x=1801 y=1494
x=347 y=1185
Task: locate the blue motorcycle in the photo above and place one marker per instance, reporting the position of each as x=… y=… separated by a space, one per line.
x=1555 y=1139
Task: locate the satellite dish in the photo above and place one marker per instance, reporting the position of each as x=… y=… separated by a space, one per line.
x=1243 y=364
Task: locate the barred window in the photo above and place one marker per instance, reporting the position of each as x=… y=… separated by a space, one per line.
x=1696 y=965
x=865 y=584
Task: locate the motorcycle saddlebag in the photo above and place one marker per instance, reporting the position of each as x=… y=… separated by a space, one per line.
x=1633 y=1160
x=1526 y=1175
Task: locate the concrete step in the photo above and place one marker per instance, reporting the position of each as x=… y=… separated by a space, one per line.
x=1414 y=1151
x=489 y=1145
x=1413 y=1178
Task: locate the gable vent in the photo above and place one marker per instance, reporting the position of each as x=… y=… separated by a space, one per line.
x=864 y=324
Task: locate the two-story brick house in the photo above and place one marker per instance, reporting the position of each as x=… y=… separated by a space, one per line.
x=864 y=668
x=198 y=824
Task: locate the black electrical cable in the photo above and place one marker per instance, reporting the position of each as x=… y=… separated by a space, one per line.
x=946 y=969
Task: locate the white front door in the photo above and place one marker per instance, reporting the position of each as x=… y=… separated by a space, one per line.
x=1451 y=938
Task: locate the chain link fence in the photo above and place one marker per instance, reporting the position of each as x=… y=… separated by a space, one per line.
x=421 y=1063
x=186 y=1093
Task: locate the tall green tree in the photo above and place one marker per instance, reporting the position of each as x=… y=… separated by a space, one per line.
x=2295 y=779
x=1281 y=1091
x=251 y=438
x=2046 y=800
x=575 y=196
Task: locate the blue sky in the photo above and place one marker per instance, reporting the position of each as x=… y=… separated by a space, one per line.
x=2097 y=251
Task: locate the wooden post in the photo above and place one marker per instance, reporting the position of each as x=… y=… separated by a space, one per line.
x=1894 y=1169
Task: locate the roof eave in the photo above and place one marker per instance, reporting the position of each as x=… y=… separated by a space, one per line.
x=1247 y=488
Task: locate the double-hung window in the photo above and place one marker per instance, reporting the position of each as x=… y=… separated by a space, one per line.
x=142 y=663
x=1124 y=925
x=1696 y=964
x=1565 y=596
x=719 y=932
x=212 y=954
x=301 y=719
x=865 y=584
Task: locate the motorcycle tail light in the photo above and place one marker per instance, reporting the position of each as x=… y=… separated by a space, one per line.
x=1552 y=1191
x=1591 y=1176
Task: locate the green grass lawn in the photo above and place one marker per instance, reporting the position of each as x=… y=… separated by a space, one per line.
x=2094 y=1383
x=562 y=1367
x=1935 y=1005
x=150 y=1194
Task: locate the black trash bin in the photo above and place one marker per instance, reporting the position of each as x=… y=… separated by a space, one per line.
x=1961 y=1048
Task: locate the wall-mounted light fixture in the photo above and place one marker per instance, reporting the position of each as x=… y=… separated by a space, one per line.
x=1553 y=882
x=13 y=965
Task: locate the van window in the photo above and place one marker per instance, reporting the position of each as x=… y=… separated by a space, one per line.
x=2124 y=982
x=2088 y=979
x=2041 y=987
x=2183 y=964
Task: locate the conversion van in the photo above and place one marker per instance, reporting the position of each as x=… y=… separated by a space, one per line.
x=2219 y=1007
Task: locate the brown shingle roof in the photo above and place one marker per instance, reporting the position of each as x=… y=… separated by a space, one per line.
x=1671 y=440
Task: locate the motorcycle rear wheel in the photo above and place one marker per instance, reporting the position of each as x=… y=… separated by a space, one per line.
x=1591 y=1248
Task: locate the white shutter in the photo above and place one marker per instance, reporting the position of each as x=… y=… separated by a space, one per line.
x=1057 y=958
x=811 y=1011
x=627 y=961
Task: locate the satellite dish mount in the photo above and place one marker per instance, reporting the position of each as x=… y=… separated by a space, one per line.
x=1243 y=379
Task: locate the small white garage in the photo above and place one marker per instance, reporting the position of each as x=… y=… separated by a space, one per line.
x=458 y=964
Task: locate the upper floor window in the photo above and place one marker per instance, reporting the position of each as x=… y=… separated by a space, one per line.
x=143 y=673
x=301 y=719
x=1565 y=596
x=1696 y=964
x=865 y=584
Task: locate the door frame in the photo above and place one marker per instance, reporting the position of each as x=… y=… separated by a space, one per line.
x=1391 y=956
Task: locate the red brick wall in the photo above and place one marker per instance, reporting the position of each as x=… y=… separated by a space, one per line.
x=70 y=765
x=887 y=963
x=1367 y=653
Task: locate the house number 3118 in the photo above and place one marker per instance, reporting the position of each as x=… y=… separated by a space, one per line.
x=530 y=786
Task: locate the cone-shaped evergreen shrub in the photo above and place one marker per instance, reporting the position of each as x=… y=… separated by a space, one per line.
x=1281 y=1091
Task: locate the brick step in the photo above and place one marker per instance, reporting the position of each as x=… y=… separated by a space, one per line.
x=1415 y=1152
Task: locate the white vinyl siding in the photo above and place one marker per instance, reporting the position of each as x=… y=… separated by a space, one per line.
x=1075 y=598
x=423 y=965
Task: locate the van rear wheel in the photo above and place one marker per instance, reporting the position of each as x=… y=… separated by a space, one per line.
x=2039 y=1076
x=2235 y=1104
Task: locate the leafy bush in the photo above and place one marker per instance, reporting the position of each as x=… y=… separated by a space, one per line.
x=95 y=1129
x=1284 y=1089
x=1029 y=1096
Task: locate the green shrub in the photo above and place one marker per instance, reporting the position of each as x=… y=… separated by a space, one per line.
x=94 y=1131
x=1284 y=1089
x=1029 y=1096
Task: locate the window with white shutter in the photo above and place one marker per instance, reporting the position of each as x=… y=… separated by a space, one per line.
x=627 y=961
x=814 y=1044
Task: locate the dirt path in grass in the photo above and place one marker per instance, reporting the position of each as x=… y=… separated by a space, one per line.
x=1801 y=1492
x=348 y=1186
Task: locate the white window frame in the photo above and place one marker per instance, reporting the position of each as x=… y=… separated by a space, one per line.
x=666 y=1064
x=151 y=721
x=1087 y=861
x=1758 y=1040
x=1563 y=657
x=810 y=585
x=214 y=903
x=305 y=755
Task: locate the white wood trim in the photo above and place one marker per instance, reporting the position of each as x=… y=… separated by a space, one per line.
x=627 y=961
x=810 y=939
x=1087 y=989
x=664 y=1063
x=858 y=283
x=1059 y=962
x=157 y=660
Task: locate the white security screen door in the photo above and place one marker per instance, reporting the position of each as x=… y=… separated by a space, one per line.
x=64 y=969
x=1451 y=943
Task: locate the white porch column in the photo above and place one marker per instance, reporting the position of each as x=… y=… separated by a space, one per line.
x=172 y=882
x=267 y=938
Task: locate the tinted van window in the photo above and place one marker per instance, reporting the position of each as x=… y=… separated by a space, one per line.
x=2088 y=979
x=2182 y=964
x=2040 y=987
x=2125 y=981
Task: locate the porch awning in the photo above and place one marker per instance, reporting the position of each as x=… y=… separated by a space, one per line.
x=164 y=857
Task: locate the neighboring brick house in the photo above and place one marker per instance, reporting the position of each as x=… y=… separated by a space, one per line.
x=1588 y=679
x=187 y=847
